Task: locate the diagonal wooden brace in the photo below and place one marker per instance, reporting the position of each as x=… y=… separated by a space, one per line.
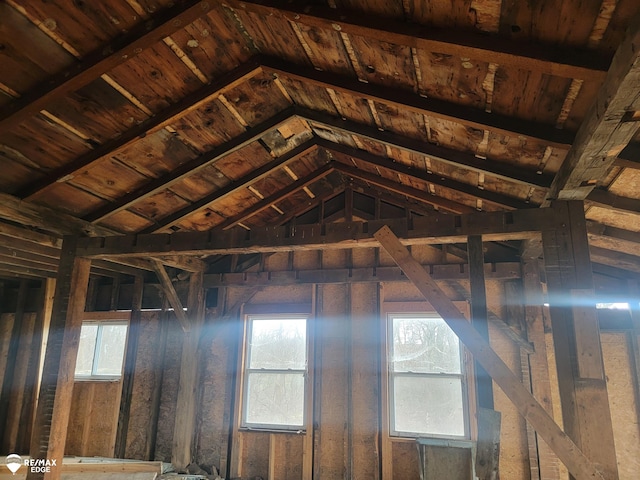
x=576 y=462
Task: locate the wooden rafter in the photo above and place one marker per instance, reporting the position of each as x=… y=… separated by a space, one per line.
x=189 y=168
x=105 y=58
x=497 y=169
x=400 y=169
x=255 y=175
x=157 y=122
x=570 y=63
x=397 y=187
x=603 y=198
x=60 y=223
x=278 y=196
x=397 y=200
x=577 y=463
x=608 y=126
x=409 y=101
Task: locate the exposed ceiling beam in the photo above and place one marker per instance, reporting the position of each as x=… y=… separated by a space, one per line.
x=152 y=124
x=397 y=187
x=233 y=187
x=424 y=176
x=512 y=173
x=409 y=101
x=121 y=49
x=611 y=201
x=59 y=223
x=608 y=126
x=277 y=197
x=621 y=260
x=47 y=219
x=569 y=63
x=437 y=228
x=189 y=168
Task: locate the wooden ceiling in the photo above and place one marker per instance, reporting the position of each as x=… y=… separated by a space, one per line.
x=129 y=116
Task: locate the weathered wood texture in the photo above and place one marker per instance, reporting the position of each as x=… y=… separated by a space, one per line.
x=538 y=362
x=623 y=399
x=527 y=406
x=183 y=451
x=583 y=391
x=56 y=388
x=93 y=419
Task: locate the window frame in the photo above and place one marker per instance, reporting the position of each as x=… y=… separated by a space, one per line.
x=257 y=313
x=101 y=320
x=392 y=310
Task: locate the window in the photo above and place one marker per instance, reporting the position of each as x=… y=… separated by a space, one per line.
x=101 y=350
x=275 y=375
x=426 y=381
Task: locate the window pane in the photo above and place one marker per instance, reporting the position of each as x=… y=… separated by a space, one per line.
x=86 y=349
x=111 y=347
x=424 y=345
x=275 y=398
x=428 y=405
x=278 y=343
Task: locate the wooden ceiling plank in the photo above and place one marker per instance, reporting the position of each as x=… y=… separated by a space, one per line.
x=436 y=228
x=577 y=463
x=157 y=122
x=399 y=168
x=92 y=66
x=189 y=168
x=433 y=107
x=568 y=63
x=255 y=175
x=608 y=127
x=456 y=158
x=171 y=294
x=397 y=187
x=275 y=198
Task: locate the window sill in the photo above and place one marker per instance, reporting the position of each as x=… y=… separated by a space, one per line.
x=290 y=431
x=101 y=379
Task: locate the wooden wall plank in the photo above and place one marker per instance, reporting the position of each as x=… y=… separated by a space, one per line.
x=331 y=380
x=365 y=381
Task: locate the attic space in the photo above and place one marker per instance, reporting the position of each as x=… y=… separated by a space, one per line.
x=320 y=240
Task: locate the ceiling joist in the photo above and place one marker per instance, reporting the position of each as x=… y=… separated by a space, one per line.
x=608 y=126
x=568 y=63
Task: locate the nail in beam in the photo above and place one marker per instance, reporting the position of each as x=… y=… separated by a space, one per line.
x=577 y=463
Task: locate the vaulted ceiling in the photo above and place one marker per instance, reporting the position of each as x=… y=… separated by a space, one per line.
x=129 y=116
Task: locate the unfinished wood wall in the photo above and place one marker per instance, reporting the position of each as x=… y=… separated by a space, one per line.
x=347 y=438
